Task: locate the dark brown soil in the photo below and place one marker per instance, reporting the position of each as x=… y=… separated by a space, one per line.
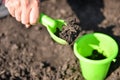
x=96 y=55
x=31 y=54
x=70 y=31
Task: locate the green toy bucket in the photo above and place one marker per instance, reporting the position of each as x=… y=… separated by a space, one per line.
x=83 y=47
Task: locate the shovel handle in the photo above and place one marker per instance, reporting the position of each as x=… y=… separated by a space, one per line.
x=52 y=25
x=47 y=21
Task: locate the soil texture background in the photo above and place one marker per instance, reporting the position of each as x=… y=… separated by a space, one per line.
x=31 y=54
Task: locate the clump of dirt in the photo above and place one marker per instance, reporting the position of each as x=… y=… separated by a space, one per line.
x=69 y=71
x=96 y=55
x=25 y=67
x=70 y=31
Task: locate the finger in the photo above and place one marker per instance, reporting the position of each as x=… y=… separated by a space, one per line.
x=34 y=14
x=10 y=8
x=25 y=13
x=18 y=12
x=18 y=15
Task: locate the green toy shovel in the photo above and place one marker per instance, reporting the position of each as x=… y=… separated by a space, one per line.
x=52 y=26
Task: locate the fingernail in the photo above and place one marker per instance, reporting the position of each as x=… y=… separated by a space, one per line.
x=27 y=26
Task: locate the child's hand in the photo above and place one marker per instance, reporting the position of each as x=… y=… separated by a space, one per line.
x=25 y=11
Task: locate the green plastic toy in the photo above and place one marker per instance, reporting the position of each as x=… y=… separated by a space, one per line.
x=104 y=44
x=52 y=26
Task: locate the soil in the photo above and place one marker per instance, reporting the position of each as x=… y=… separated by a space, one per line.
x=96 y=55
x=31 y=54
x=70 y=31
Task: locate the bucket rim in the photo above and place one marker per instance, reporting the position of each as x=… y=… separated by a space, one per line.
x=102 y=61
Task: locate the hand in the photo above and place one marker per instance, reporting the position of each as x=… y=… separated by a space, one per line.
x=25 y=11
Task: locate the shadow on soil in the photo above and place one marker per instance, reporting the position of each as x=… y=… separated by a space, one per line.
x=90 y=16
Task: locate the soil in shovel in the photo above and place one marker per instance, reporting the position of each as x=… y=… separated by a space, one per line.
x=69 y=31
x=96 y=55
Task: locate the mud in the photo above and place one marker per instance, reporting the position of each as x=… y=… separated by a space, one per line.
x=96 y=55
